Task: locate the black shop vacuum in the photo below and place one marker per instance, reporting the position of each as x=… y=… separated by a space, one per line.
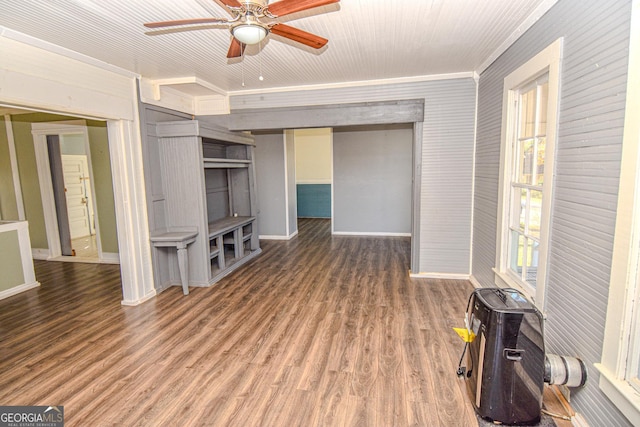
x=506 y=365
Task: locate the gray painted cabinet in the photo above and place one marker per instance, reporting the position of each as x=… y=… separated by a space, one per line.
x=209 y=181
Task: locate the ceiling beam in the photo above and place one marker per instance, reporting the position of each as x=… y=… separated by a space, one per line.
x=334 y=115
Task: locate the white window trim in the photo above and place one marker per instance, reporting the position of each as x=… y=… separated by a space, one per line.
x=625 y=262
x=547 y=61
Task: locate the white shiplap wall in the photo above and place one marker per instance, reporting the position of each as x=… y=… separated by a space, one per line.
x=593 y=85
x=447 y=156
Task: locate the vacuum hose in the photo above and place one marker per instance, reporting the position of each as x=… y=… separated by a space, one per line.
x=564 y=370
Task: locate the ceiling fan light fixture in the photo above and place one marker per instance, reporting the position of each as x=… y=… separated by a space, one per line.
x=250 y=31
x=246 y=27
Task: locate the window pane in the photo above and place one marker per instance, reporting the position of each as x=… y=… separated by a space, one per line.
x=542 y=102
x=519 y=206
x=532 y=262
x=527 y=113
x=535 y=213
x=516 y=252
x=526 y=161
x=542 y=145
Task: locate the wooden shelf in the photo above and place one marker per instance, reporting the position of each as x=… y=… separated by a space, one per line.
x=228 y=224
x=211 y=163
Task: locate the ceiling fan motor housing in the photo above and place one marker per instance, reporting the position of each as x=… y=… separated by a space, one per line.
x=258 y=8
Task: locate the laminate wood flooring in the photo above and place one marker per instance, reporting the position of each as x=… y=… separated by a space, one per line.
x=320 y=330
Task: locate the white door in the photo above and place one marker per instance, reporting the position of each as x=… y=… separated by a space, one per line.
x=78 y=191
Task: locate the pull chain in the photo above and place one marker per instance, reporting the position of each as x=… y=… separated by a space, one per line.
x=260 y=59
x=242 y=64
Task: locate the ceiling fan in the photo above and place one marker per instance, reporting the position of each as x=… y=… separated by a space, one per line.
x=252 y=20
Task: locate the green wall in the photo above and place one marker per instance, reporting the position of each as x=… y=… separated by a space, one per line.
x=8 y=206
x=25 y=154
x=10 y=260
x=103 y=183
x=28 y=172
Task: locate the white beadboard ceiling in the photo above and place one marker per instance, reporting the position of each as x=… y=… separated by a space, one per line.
x=368 y=39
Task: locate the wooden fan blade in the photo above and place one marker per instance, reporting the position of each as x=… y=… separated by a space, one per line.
x=184 y=22
x=298 y=35
x=285 y=7
x=236 y=48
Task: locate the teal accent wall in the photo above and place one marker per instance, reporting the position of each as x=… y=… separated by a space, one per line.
x=314 y=200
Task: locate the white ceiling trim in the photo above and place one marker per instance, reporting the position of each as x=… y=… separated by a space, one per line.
x=522 y=28
x=202 y=87
x=378 y=82
x=187 y=94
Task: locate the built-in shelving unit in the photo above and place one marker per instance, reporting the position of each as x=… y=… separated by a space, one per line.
x=208 y=178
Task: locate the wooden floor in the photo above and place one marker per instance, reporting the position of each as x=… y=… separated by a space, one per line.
x=319 y=330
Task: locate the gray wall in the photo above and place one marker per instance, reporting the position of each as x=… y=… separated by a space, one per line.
x=372 y=179
x=447 y=157
x=592 y=99
x=270 y=182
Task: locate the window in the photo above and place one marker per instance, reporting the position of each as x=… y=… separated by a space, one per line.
x=526 y=177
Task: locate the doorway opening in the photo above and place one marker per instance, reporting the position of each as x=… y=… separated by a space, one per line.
x=360 y=177
x=76 y=211
x=314 y=172
x=68 y=190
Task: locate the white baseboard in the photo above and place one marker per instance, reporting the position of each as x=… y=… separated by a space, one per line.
x=578 y=421
x=475 y=282
x=42 y=254
x=17 y=289
x=367 y=233
x=278 y=237
x=139 y=301
x=450 y=276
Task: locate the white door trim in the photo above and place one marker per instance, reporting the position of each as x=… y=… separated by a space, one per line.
x=40 y=132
